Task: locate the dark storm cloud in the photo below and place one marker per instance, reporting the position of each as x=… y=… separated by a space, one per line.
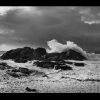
x=37 y=25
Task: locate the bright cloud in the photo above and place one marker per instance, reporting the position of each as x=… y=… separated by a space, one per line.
x=88 y=17
x=6 y=31
x=6 y=47
x=55 y=46
x=21 y=10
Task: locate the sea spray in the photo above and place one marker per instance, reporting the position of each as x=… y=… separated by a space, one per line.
x=55 y=46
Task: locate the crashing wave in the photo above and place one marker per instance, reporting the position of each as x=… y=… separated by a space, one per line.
x=55 y=46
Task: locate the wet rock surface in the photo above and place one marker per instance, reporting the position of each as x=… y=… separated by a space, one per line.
x=19 y=55
x=79 y=64
x=30 y=90
x=52 y=65
x=4 y=66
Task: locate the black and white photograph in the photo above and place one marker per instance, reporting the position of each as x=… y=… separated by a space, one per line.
x=49 y=49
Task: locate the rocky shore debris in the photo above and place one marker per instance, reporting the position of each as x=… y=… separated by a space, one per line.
x=4 y=66
x=30 y=90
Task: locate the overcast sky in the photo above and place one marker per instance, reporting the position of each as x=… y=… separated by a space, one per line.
x=34 y=26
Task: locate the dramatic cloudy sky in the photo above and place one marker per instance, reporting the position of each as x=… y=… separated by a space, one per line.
x=34 y=26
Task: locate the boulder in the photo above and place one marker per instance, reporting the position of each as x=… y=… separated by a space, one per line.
x=67 y=62
x=46 y=64
x=52 y=65
x=25 y=71
x=73 y=55
x=30 y=90
x=4 y=66
x=39 y=53
x=63 y=67
x=20 y=55
x=52 y=57
x=80 y=64
x=17 y=73
x=13 y=74
x=66 y=55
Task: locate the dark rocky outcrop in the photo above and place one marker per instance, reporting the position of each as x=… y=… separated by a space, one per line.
x=4 y=66
x=67 y=62
x=51 y=65
x=39 y=53
x=20 y=71
x=45 y=60
x=67 y=55
x=53 y=57
x=44 y=64
x=25 y=71
x=80 y=64
x=30 y=90
x=73 y=55
x=13 y=74
x=63 y=67
x=20 y=55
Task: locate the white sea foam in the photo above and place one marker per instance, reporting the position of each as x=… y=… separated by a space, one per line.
x=55 y=46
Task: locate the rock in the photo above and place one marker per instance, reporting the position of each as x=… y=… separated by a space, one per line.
x=16 y=73
x=66 y=55
x=19 y=72
x=79 y=64
x=63 y=67
x=39 y=53
x=20 y=60
x=13 y=74
x=73 y=55
x=4 y=66
x=20 y=55
x=45 y=64
x=25 y=71
x=53 y=57
x=67 y=62
x=30 y=90
x=15 y=70
x=56 y=65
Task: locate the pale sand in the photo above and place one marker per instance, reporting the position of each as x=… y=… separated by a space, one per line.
x=80 y=80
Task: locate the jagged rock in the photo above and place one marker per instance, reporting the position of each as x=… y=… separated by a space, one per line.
x=66 y=55
x=20 y=55
x=52 y=57
x=30 y=90
x=44 y=64
x=15 y=70
x=39 y=53
x=63 y=67
x=4 y=66
x=25 y=70
x=80 y=64
x=73 y=55
x=69 y=62
x=20 y=60
x=16 y=73
x=56 y=65
x=13 y=74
